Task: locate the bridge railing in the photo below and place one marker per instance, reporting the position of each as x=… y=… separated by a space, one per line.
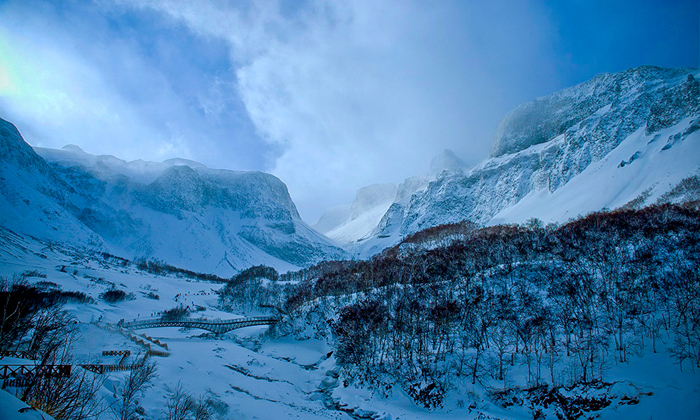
x=17 y=354
x=100 y=369
x=157 y=353
x=116 y=352
x=19 y=382
x=152 y=321
x=271 y=319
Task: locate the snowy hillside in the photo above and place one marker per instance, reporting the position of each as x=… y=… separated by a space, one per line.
x=246 y=376
x=177 y=211
x=257 y=373
x=643 y=169
x=33 y=198
x=356 y=222
x=619 y=139
x=484 y=324
x=350 y=223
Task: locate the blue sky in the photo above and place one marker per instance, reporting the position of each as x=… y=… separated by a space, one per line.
x=329 y=96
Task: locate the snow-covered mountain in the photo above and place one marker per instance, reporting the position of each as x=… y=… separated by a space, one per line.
x=177 y=211
x=356 y=221
x=447 y=160
x=624 y=139
x=628 y=138
x=353 y=222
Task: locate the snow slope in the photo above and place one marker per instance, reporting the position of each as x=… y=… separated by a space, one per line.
x=254 y=380
x=33 y=198
x=641 y=170
x=259 y=377
x=14 y=409
x=361 y=217
x=350 y=224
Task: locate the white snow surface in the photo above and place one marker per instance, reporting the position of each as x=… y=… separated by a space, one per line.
x=347 y=225
x=361 y=226
x=259 y=377
x=13 y=408
x=653 y=169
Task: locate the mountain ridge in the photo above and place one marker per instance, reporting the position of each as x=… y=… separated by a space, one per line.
x=177 y=211
x=545 y=144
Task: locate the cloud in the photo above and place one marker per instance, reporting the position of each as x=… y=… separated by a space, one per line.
x=64 y=98
x=123 y=84
x=361 y=92
x=329 y=96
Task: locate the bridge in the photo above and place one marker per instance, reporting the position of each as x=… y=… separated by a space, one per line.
x=217 y=326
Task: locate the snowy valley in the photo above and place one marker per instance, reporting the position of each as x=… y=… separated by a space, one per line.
x=556 y=279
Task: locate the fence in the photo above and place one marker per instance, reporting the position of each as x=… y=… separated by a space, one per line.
x=49 y=371
x=109 y=368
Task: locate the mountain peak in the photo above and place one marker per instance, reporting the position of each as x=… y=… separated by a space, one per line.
x=545 y=118
x=72 y=148
x=445 y=161
x=177 y=211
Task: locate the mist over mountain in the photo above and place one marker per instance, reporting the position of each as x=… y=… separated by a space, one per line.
x=623 y=139
x=177 y=211
x=446 y=160
x=357 y=221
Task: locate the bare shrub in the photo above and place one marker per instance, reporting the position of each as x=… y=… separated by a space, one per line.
x=116 y=295
x=128 y=393
x=174 y=314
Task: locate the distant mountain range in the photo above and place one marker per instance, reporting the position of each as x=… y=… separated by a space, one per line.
x=177 y=211
x=357 y=221
x=624 y=139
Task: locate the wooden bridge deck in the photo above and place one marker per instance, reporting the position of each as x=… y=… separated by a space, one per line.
x=217 y=326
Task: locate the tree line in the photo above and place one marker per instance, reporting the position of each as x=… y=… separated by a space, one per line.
x=562 y=302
